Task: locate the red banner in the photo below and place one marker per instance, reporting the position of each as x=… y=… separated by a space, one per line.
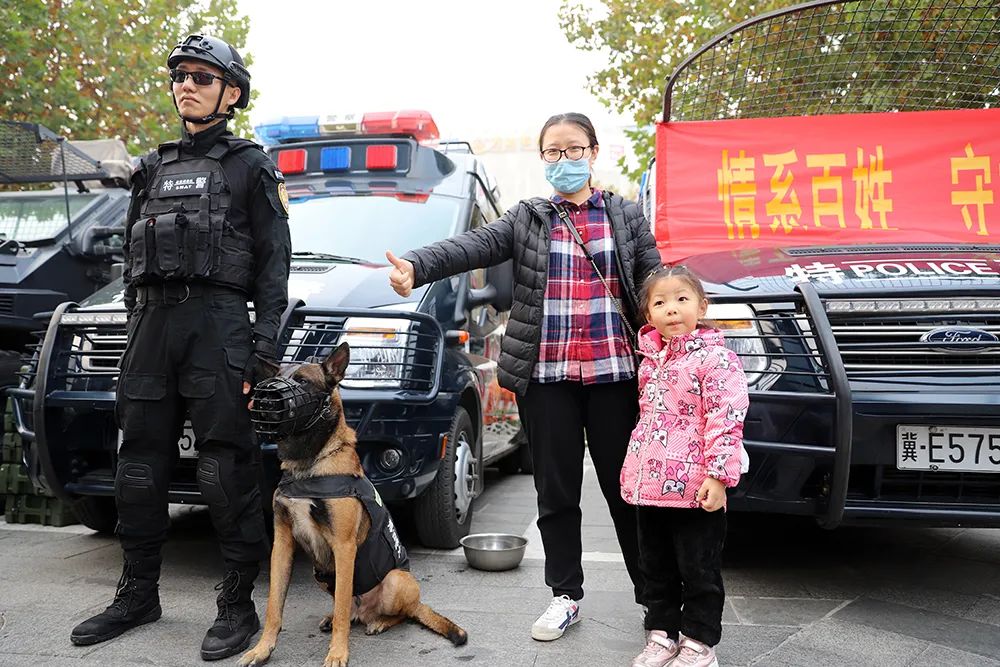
x=917 y=177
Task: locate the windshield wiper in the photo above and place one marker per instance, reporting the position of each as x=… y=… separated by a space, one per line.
x=333 y=258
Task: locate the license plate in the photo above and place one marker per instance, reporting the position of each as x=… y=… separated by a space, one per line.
x=961 y=448
x=185 y=446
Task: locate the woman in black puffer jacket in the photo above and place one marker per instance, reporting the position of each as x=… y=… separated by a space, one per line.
x=566 y=352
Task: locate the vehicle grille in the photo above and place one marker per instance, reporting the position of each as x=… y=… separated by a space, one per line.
x=86 y=357
x=410 y=364
x=100 y=350
x=893 y=343
x=889 y=483
x=6 y=303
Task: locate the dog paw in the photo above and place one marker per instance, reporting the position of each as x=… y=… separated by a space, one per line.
x=326 y=625
x=335 y=659
x=258 y=655
x=374 y=628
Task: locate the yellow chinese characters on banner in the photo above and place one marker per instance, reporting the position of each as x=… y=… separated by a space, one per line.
x=869 y=191
x=840 y=179
x=783 y=208
x=977 y=198
x=737 y=190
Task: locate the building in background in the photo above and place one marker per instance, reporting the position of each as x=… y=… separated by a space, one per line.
x=514 y=162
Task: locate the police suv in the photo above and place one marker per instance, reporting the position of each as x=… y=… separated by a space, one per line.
x=872 y=358
x=421 y=389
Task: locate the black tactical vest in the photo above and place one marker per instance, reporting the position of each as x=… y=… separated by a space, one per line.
x=381 y=552
x=182 y=232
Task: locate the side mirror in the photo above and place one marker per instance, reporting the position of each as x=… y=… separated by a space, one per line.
x=117 y=270
x=99 y=241
x=481 y=297
x=501 y=279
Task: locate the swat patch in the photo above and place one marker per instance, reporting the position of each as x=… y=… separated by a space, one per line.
x=183 y=185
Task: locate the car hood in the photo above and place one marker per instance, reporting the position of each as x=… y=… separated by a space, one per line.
x=835 y=268
x=319 y=284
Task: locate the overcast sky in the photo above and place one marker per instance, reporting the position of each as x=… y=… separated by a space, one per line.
x=482 y=68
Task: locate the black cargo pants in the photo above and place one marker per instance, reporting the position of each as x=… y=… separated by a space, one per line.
x=186 y=352
x=556 y=417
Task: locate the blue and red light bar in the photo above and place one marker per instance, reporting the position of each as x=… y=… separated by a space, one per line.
x=413 y=123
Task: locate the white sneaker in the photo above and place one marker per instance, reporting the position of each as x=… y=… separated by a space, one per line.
x=562 y=613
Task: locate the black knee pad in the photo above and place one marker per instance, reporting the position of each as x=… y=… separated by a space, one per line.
x=210 y=473
x=135 y=483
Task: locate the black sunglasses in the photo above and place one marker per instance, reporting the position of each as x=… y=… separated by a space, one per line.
x=199 y=78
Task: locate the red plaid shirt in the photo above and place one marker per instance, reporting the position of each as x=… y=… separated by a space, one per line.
x=583 y=338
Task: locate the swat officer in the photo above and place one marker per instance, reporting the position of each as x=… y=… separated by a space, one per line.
x=207 y=230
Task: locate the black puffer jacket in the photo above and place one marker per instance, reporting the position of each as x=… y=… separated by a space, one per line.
x=522 y=233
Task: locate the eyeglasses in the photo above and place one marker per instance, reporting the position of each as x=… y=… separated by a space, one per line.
x=571 y=153
x=199 y=78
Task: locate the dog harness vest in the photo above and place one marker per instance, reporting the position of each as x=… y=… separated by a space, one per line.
x=382 y=551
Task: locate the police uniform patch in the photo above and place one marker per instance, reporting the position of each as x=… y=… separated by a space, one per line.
x=283 y=195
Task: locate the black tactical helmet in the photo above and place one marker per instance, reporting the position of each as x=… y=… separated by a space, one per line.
x=217 y=53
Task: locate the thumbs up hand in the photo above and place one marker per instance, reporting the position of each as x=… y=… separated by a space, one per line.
x=402 y=276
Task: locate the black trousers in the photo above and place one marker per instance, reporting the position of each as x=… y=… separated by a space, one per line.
x=680 y=555
x=557 y=415
x=185 y=355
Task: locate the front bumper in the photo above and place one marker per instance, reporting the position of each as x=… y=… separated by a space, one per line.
x=65 y=409
x=825 y=445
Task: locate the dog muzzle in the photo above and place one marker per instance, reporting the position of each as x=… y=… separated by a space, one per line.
x=284 y=407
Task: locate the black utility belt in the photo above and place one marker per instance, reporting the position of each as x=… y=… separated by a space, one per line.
x=173 y=291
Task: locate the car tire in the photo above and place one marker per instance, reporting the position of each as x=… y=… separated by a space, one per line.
x=443 y=512
x=97 y=513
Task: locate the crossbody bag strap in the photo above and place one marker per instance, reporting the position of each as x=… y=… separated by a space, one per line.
x=564 y=216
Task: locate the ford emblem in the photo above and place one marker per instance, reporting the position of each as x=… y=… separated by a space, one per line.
x=959 y=339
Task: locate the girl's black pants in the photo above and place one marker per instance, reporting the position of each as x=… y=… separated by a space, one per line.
x=680 y=556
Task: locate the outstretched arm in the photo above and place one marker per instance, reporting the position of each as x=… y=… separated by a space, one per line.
x=475 y=249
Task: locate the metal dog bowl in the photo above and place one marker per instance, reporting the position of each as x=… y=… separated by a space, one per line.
x=494 y=551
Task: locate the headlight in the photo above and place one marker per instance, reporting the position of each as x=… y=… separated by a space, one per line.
x=737 y=321
x=379 y=347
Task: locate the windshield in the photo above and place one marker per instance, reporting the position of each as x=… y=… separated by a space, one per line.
x=30 y=219
x=364 y=227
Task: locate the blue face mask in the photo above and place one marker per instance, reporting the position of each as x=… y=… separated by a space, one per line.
x=568 y=176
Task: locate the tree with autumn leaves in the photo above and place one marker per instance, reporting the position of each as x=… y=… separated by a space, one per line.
x=97 y=70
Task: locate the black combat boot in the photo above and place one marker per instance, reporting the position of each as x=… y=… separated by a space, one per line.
x=137 y=601
x=237 y=621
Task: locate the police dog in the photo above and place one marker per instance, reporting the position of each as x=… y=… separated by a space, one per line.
x=331 y=530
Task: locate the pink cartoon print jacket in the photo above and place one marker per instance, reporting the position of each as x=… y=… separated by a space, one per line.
x=692 y=402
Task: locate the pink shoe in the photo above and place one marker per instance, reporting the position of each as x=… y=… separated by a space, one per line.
x=693 y=653
x=660 y=650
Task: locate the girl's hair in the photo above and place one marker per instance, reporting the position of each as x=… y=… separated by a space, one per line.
x=577 y=119
x=677 y=271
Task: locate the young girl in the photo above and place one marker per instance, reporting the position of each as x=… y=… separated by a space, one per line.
x=684 y=452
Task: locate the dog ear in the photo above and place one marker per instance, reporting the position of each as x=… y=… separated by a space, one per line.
x=335 y=365
x=268 y=369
